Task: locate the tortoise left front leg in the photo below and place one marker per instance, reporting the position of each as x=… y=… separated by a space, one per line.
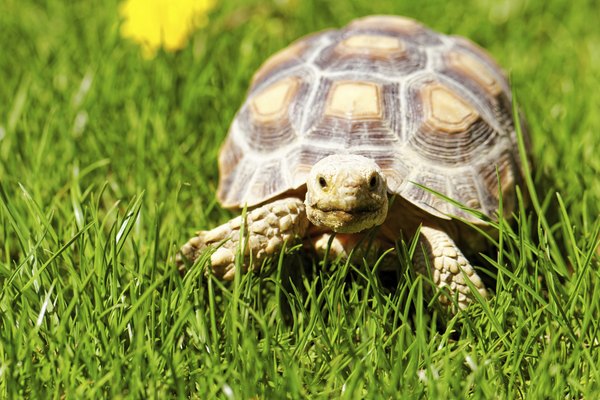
x=266 y=229
x=449 y=267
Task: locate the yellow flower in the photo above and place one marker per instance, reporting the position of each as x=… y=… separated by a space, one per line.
x=166 y=23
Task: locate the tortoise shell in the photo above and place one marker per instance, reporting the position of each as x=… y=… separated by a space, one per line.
x=433 y=111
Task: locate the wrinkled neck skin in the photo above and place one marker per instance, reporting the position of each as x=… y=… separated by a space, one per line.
x=346 y=194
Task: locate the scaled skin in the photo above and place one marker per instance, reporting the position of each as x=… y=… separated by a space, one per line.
x=346 y=195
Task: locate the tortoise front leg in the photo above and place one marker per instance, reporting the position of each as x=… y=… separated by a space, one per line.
x=449 y=267
x=267 y=228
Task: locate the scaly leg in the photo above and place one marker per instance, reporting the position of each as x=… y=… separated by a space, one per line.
x=450 y=268
x=267 y=228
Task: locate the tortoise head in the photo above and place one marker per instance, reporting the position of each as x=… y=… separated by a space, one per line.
x=346 y=193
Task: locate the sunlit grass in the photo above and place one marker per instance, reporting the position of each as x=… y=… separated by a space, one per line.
x=108 y=164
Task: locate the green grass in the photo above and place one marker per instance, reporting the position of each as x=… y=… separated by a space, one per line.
x=108 y=164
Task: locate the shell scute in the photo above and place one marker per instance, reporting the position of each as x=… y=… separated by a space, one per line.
x=371 y=51
x=354 y=113
x=445 y=127
x=272 y=103
x=472 y=71
x=445 y=110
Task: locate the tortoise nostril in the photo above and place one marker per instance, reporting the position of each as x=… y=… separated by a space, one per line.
x=373 y=182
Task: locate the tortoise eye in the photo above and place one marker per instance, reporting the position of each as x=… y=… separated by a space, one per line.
x=373 y=182
x=322 y=182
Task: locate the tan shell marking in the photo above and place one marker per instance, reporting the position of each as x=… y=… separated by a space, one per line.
x=384 y=22
x=371 y=44
x=272 y=102
x=475 y=70
x=446 y=111
x=356 y=100
x=290 y=53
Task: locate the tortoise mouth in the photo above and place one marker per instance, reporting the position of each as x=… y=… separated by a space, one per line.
x=347 y=220
x=352 y=211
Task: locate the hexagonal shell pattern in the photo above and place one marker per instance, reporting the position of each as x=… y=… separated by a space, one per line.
x=430 y=109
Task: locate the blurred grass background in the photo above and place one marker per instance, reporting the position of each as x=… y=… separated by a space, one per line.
x=108 y=163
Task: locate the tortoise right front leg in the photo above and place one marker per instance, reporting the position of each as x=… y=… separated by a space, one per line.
x=267 y=228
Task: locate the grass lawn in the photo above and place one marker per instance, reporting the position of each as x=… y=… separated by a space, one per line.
x=108 y=164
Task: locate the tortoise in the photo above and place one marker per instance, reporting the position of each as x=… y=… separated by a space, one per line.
x=369 y=129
